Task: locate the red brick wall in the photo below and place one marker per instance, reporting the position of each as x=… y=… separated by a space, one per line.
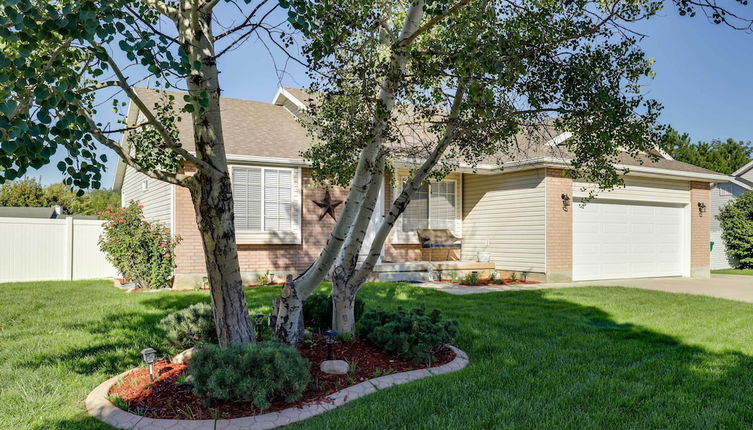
x=700 y=236
x=559 y=226
x=190 y=255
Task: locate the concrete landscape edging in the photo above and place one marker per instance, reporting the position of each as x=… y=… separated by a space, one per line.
x=100 y=407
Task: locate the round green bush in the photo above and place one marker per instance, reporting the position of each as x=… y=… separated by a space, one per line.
x=189 y=327
x=736 y=220
x=257 y=372
x=411 y=334
x=317 y=311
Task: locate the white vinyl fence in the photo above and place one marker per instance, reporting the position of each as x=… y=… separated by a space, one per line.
x=34 y=249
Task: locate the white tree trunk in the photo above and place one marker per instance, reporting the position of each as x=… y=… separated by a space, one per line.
x=300 y=288
x=211 y=191
x=348 y=279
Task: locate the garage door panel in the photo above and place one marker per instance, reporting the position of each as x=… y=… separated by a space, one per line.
x=626 y=240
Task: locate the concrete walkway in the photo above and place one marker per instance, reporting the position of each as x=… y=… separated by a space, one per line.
x=733 y=287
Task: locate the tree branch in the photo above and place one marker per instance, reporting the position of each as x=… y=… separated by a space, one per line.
x=166 y=137
x=172 y=178
x=352 y=246
x=162 y=7
x=246 y=21
x=433 y=21
x=409 y=190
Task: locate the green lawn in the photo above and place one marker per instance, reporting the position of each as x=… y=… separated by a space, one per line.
x=578 y=358
x=733 y=271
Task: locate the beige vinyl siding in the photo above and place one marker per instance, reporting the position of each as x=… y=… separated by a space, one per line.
x=505 y=215
x=640 y=190
x=157 y=198
x=721 y=194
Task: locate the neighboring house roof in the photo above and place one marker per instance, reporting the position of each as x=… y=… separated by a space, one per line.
x=270 y=132
x=743 y=170
x=20 y=212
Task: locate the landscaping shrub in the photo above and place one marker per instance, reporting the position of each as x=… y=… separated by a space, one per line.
x=260 y=373
x=317 y=311
x=411 y=333
x=143 y=252
x=189 y=327
x=736 y=220
x=471 y=278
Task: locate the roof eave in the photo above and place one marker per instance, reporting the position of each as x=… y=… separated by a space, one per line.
x=740 y=183
x=283 y=94
x=560 y=163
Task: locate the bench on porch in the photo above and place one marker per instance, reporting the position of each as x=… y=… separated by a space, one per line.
x=438 y=238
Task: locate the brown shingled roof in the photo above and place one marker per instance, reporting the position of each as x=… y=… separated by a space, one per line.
x=249 y=127
x=269 y=130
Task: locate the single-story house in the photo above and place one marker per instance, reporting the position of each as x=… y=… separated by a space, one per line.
x=721 y=194
x=527 y=218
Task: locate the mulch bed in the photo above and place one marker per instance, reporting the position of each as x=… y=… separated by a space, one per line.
x=167 y=398
x=483 y=282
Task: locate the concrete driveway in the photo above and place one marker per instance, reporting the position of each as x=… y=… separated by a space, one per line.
x=733 y=287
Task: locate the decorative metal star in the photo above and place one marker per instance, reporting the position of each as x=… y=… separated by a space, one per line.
x=328 y=205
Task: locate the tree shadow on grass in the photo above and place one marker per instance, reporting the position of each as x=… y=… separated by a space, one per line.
x=120 y=335
x=536 y=362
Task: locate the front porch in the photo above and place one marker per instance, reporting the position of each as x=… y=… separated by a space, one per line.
x=428 y=271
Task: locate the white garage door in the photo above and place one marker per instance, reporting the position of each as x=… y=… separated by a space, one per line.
x=627 y=240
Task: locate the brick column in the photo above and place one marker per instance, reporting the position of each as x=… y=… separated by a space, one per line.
x=559 y=227
x=700 y=236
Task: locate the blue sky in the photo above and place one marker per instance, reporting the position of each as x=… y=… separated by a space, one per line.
x=703 y=78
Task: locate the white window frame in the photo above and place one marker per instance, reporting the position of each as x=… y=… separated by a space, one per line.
x=263 y=237
x=402 y=237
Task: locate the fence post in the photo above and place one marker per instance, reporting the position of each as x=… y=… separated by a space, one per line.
x=68 y=253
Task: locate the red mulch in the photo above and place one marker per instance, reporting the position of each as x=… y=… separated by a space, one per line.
x=482 y=282
x=165 y=398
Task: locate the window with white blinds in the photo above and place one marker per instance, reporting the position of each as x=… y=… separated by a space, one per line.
x=277 y=190
x=433 y=206
x=262 y=198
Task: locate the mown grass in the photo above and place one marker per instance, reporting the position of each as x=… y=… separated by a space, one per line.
x=579 y=358
x=733 y=272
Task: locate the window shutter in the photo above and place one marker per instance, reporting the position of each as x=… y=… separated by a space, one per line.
x=247 y=198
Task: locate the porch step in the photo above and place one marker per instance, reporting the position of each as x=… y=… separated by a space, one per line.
x=403 y=272
x=426 y=271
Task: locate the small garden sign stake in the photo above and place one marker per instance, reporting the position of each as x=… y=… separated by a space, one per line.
x=258 y=320
x=149 y=354
x=330 y=334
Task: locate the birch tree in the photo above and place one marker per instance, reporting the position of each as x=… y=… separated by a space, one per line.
x=60 y=61
x=433 y=86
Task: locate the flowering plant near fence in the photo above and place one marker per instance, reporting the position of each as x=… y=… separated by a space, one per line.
x=143 y=251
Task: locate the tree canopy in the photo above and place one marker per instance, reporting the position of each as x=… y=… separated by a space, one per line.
x=61 y=61
x=29 y=192
x=720 y=156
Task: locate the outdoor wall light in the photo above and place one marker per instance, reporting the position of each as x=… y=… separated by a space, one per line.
x=330 y=334
x=701 y=208
x=149 y=354
x=565 y=202
x=258 y=321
